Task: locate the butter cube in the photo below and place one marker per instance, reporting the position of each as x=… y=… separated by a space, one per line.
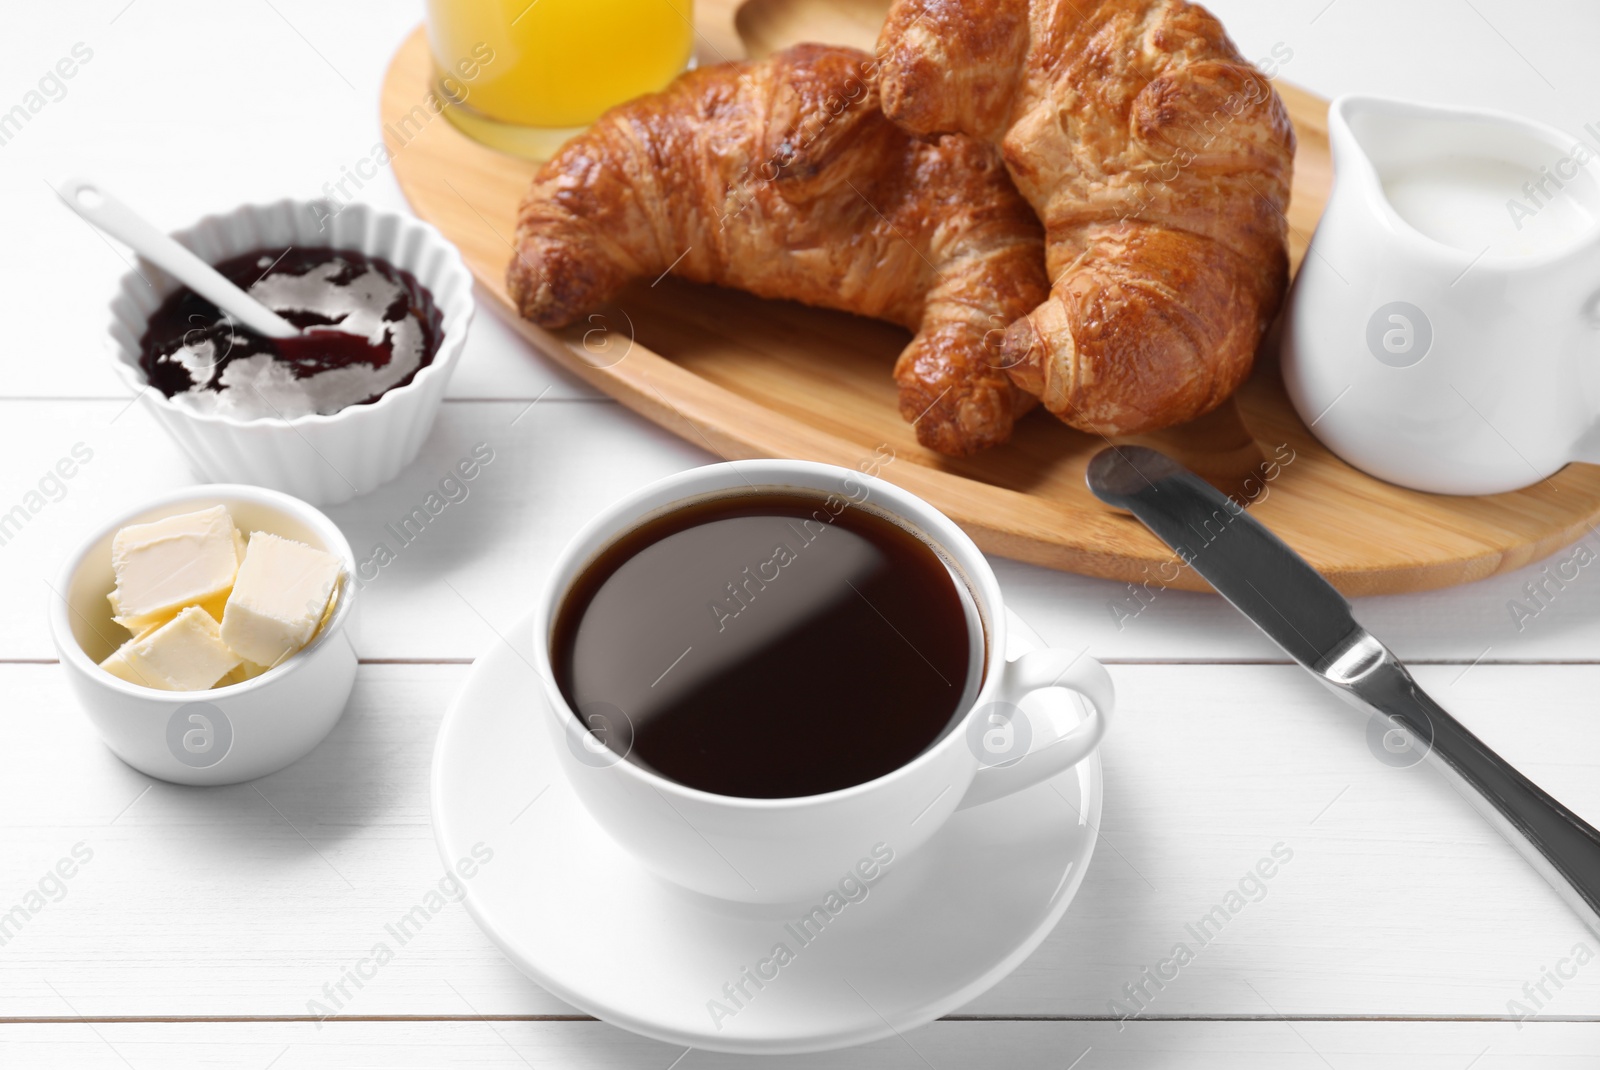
x=185 y=654
x=168 y=564
x=278 y=599
x=245 y=670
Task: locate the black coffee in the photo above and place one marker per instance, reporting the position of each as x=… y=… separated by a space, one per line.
x=767 y=645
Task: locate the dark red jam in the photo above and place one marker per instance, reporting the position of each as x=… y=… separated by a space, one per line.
x=369 y=328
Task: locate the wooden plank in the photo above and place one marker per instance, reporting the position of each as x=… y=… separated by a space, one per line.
x=500 y=1045
x=1398 y=900
x=481 y=557
x=558 y=462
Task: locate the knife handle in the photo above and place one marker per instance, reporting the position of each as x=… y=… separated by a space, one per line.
x=1557 y=842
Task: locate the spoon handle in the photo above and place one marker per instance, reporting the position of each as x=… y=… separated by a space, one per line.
x=127 y=226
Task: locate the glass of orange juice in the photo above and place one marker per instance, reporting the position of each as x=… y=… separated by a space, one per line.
x=553 y=66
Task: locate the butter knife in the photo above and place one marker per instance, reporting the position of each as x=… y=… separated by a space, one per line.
x=1301 y=612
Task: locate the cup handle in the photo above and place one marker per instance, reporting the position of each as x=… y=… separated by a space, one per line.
x=1034 y=671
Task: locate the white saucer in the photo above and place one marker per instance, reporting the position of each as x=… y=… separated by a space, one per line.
x=577 y=915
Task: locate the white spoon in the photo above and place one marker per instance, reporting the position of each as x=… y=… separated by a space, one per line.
x=130 y=228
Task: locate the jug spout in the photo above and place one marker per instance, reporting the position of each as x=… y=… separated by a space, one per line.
x=1481 y=182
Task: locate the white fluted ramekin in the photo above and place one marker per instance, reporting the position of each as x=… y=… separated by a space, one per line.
x=322 y=459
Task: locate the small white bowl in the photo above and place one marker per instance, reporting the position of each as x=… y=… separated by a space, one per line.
x=323 y=459
x=228 y=734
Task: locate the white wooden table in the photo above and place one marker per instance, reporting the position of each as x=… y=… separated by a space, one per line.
x=1402 y=933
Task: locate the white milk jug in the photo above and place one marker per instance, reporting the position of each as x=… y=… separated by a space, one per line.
x=1444 y=330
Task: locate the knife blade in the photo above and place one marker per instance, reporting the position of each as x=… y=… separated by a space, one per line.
x=1302 y=612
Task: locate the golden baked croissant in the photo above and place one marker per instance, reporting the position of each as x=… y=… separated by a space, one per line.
x=1159 y=162
x=783 y=178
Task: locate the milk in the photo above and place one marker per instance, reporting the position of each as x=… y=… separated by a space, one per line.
x=1482 y=205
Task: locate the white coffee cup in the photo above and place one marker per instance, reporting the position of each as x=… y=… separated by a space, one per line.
x=1444 y=330
x=783 y=850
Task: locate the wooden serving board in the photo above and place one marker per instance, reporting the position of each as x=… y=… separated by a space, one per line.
x=746 y=377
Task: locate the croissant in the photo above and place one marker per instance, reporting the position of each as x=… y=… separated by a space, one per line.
x=783 y=178
x=1159 y=162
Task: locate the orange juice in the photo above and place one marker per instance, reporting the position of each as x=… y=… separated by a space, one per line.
x=557 y=64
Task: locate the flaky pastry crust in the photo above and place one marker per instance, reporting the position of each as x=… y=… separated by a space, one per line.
x=1159 y=162
x=783 y=178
